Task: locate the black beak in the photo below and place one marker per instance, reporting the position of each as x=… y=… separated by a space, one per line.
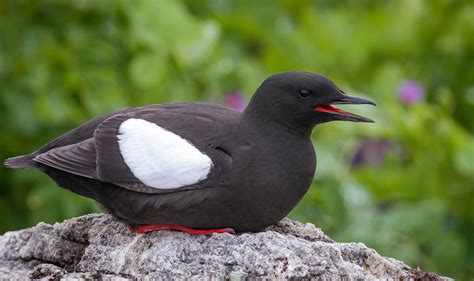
x=338 y=114
x=352 y=100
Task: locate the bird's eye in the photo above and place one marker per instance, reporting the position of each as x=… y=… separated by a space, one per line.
x=304 y=94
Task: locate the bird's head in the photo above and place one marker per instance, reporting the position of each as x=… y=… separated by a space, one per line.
x=301 y=100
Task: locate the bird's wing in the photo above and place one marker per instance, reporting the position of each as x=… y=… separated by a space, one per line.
x=78 y=159
x=78 y=134
x=151 y=150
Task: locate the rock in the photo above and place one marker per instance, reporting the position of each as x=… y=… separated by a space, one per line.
x=99 y=247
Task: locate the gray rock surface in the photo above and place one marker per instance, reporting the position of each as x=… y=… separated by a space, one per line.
x=98 y=247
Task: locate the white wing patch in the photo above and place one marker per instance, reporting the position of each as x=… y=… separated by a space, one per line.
x=160 y=158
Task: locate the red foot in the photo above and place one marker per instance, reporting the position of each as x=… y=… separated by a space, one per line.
x=152 y=227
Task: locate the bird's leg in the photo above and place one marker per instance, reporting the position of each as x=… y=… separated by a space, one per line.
x=154 y=227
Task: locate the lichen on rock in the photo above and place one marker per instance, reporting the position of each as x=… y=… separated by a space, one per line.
x=99 y=247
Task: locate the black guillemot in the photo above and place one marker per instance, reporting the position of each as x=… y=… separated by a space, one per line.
x=198 y=167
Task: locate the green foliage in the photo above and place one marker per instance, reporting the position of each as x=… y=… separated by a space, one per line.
x=64 y=62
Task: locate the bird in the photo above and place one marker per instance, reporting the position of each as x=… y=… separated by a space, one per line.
x=199 y=168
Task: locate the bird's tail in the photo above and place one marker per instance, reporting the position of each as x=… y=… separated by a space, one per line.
x=20 y=162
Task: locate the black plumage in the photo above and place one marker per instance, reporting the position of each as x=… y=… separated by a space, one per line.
x=263 y=160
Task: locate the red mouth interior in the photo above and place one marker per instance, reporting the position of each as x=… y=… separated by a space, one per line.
x=329 y=108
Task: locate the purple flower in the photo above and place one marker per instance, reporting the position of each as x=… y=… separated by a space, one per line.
x=371 y=152
x=235 y=100
x=411 y=92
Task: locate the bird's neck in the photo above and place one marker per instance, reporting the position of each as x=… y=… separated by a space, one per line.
x=270 y=120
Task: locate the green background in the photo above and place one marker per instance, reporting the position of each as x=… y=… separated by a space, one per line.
x=64 y=62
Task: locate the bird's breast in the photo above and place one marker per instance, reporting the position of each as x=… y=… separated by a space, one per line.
x=275 y=176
